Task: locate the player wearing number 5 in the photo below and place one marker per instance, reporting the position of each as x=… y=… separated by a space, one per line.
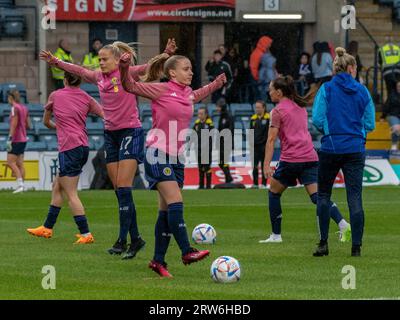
x=124 y=136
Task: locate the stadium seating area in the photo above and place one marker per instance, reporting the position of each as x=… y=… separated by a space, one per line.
x=43 y=139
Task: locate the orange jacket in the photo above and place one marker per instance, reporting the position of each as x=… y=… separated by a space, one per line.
x=264 y=43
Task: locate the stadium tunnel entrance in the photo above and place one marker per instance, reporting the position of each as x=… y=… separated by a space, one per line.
x=288 y=41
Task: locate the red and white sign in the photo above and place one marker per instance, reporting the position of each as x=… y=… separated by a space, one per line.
x=143 y=10
x=376 y=172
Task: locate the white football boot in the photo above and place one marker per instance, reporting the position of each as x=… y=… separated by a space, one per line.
x=273 y=238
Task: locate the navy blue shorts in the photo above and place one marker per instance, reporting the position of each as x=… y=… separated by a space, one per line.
x=18 y=148
x=124 y=144
x=157 y=172
x=287 y=173
x=72 y=161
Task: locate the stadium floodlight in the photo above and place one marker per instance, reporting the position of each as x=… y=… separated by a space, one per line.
x=273 y=16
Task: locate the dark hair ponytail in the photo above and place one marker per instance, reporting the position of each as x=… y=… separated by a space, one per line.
x=286 y=85
x=72 y=79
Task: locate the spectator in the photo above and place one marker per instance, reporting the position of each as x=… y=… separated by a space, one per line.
x=215 y=66
x=263 y=66
x=225 y=122
x=304 y=73
x=391 y=110
x=91 y=60
x=204 y=150
x=235 y=62
x=321 y=62
x=223 y=50
x=353 y=50
x=63 y=53
x=389 y=59
x=260 y=124
x=246 y=83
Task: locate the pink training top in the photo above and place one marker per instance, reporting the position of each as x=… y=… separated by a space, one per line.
x=71 y=107
x=296 y=142
x=172 y=110
x=120 y=107
x=20 y=111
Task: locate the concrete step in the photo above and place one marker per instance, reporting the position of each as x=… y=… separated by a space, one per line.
x=377 y=15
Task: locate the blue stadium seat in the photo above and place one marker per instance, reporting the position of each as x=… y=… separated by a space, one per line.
x=91 y=89
x=211 y=107
x=238 y=124
x=144 y=110
x=4 y=108
x=3 y=142
x=13 y=23
x=215 y=119
x=52 y=146
x=4 y=128
x=270 y=106
x=41 y=129
x=95 y=128
x=7 y=87
x=48 y=137
x=36 y=146
x=96 y=142
x=241 y=107
x=147 y=124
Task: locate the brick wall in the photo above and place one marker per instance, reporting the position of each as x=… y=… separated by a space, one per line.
x=78 y=35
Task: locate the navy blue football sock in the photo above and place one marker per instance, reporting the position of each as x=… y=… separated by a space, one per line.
x=333 y=211
x=125 y=202
x=133 y=229
x=52 y=217
x=177 y=226
x=82 y=224
x=275 y=211
x=163 y=236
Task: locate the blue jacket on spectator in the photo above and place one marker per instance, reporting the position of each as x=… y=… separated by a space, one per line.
x=344 y=112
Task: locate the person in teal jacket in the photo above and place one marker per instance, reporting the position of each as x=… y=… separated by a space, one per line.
x=344 y=112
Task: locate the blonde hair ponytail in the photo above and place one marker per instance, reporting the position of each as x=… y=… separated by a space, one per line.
x=118 y=48
x=343 y=60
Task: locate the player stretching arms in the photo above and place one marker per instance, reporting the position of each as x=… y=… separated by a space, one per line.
x=345 y=112
x=172 y=107
x=298 y=161
x=70 y=106
x=124 y=136
x=19 y=122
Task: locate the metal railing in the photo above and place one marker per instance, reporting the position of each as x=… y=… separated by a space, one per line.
x=376 y=68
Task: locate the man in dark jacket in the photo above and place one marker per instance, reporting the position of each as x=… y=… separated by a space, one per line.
x=215 y=67
x=225 y=122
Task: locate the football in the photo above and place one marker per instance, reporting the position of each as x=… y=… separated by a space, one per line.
x=225 y=269
x=204 y=234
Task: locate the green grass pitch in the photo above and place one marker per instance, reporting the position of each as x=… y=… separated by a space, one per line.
x=274 y=271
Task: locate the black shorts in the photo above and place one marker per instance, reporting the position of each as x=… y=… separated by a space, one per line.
x=72 y=161
x=287 y=173
x=18 y=148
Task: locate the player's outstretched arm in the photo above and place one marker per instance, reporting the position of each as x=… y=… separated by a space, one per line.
x=140 y=70
x=85 y=74
x=205 y=91
x=151 y=91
